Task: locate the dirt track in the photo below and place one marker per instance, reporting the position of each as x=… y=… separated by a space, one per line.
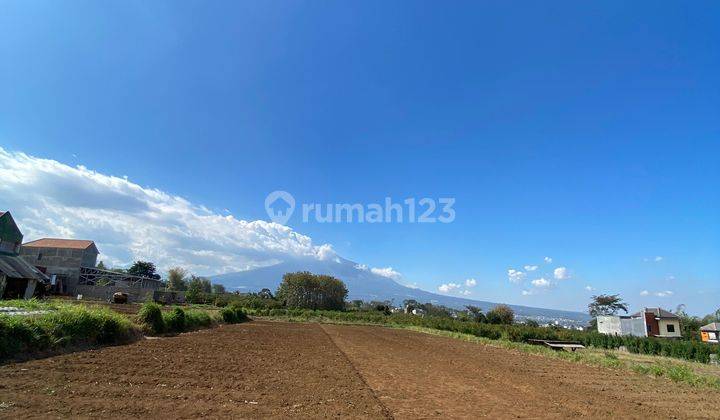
x=264 y=369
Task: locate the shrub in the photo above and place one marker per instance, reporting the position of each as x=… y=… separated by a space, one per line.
x=196 y=319
x=64 y=326
x=150 y=316
x=175 y=321
x=233 y=314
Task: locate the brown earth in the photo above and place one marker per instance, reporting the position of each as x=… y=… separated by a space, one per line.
x=272 y=369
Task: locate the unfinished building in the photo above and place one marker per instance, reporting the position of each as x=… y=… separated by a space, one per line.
x=18 y=279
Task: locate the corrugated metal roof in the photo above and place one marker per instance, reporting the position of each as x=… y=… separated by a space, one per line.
x=16 y=267
x=658 y=312
x=9 y=230
x=60 y=243
x=713 y=326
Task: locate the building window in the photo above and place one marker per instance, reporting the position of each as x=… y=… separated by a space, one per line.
x=671 y=328
x=39 y=256
x=649 y=328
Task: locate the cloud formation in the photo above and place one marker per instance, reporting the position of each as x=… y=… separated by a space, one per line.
x=541 y=283
x=386 y=272
x=515 y=276
x=561 y=273
x=470 y=282
x=448 y=287
x=530 y=267
x=547 y=260
x=129 y=222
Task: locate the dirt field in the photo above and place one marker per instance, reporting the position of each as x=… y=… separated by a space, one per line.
x=271 y=369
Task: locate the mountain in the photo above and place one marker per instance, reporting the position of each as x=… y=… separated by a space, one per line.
x=366 y=285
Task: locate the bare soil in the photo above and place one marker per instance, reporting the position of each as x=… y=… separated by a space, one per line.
x=280 y=370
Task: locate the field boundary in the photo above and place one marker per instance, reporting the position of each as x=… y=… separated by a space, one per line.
x=675 y=370
x=385 y=409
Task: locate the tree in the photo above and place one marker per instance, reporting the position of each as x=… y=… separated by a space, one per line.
x=218 y=288
x=311 y=291
x=689 y=325
x=501 y=314
x=410 y=304
x=197 y=290
x=205 y=284
x=606 y=305
x=177 y=279
x=100 y=266
x=143 y=269
x=265 y=294
x=531 y=323
x=476 y=314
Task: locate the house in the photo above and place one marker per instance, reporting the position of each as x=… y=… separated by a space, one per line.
x=621 y=325
x=660 y=323
x=61 y=259
x=650 y=322
x=18 y=279
x=710 y=333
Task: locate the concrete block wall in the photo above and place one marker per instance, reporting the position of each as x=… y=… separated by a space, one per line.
x=135 y=294
x=63 y=262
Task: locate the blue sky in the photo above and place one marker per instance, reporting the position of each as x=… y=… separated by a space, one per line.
x=588 y=133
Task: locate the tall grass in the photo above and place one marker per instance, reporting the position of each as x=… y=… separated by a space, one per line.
x=154 y=321
x=63 y=326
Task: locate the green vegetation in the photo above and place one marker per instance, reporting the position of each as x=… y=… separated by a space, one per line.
x=151 y=318
x=310 y=291
x=154 y=321
x=65 y=325
x=177 y=279
x=501 y=314
x=233 y=314
x=606 y=305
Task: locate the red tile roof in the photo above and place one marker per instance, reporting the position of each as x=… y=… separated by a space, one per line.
x=60 y=243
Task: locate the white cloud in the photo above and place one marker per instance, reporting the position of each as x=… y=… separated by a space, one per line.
x=531 y=267
x=644 y=293
x=527 y=292
x=470 y=282
x=541 y=283
x=128 y=222
x=448 y=287
x=386 y=272
x=361 y=267
x=561 y=273
x=515 y=276
x=589 y=288
x=547 y=260
x=664 y=293
x=465 y=292
x=658 y=258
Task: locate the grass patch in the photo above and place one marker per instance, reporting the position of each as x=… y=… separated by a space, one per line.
x=155 y=322
x=64 y=326
x=29 y=304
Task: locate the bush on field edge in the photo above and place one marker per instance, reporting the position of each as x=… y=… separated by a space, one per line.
x=64 y=326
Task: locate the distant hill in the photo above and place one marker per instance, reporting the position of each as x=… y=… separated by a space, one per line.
x=365 y=285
